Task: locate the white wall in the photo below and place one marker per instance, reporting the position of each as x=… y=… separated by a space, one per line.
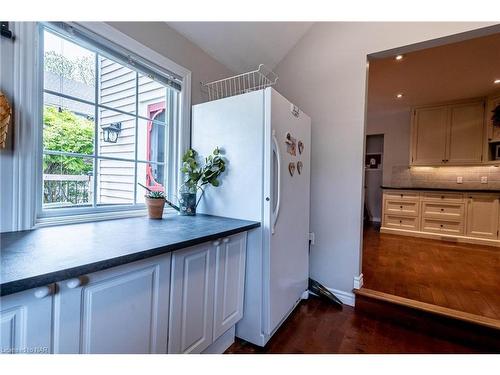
x=168 y=42
x=395 y=127
x=325 y=74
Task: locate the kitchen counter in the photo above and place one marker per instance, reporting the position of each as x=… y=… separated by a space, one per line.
x=42 y=256
x=386 y=187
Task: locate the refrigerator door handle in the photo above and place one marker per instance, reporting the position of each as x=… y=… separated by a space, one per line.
x=276 y=151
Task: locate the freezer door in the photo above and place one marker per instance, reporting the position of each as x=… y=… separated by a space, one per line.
x=236 y=126
x=289 y=207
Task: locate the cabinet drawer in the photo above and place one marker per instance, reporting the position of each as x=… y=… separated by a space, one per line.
x=401 y=207
x=446 y=211
x=443 y=197
x=402 y=194
x=442 y=226
x=401 y=222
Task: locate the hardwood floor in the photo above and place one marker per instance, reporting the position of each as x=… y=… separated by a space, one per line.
x=462 y=277
x=318 y=327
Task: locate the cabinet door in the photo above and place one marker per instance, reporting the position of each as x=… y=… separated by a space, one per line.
x=482 y=216
x=26 y=321
x=466 y=133
x=192 y=299
x=120 y=310
x=229 y=282
x=429 y=135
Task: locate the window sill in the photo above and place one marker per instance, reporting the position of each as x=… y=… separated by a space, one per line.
x=93 y=217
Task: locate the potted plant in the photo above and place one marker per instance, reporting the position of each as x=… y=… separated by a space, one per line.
x=196 y=177
x=155 y=200
x=495 y=119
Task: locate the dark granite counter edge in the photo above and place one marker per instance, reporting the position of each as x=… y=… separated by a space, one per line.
x=64 y=274
x=442 y=189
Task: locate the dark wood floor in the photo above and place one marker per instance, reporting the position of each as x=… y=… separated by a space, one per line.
x=318 y=327
x=457 y=276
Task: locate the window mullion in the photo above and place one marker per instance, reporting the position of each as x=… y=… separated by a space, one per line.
x=136 y=133
x=96 y=129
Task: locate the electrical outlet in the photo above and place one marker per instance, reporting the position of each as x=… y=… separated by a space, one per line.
x=312 y=237
x=460 y=180
x=484 y=179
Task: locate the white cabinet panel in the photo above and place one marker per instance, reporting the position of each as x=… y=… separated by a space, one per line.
x=229 y=283
x=120 y=310
x=192 y=299
x=25 y=321
x=482 y=216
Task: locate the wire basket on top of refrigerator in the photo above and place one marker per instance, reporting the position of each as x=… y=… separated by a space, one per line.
x=240 y=84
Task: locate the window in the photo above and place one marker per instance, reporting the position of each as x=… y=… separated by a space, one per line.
x=109 y=123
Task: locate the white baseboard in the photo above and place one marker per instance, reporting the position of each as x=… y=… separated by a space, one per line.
x=358 y=281
x=347 y=298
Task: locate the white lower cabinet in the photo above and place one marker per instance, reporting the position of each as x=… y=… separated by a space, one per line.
x=229 y=282
x=206 y=293
x=118 y=310
x=26 y=321
x=192 y=299
x=187 y=301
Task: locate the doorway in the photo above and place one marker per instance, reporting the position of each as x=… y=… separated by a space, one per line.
x=374 y=156
x=432 y=179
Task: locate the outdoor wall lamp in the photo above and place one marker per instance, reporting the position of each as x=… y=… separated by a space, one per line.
x=110 y=132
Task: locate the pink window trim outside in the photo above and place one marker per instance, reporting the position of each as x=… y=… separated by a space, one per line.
x=153 y=110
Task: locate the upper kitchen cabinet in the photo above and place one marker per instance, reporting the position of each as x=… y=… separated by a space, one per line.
x=450 y=134
x=429 y=138
x=466 y=133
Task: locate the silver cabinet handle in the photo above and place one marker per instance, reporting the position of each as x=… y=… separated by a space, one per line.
x=225 y=240
x=73 y=283
x=216 y=243
x=42 y=292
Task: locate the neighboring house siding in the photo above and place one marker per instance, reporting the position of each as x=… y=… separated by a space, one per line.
x=116 y=182
x=58 y=83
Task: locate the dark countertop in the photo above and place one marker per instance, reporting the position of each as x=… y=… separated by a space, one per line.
x=42 y=256
x=441 y=189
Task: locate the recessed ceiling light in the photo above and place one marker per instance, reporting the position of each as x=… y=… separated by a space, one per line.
x=496 y=81
x=399 y=96
x=399 y=57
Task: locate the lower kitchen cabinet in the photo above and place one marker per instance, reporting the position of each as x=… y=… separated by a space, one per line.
x=229 y=282
x=471 y=217
x=118 y=310
x=206 y=293
x=192 y=299
x=482 y=216
x=26 y=321
x=187 y=301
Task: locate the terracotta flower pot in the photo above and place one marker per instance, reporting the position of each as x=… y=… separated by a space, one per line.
x=155 y=207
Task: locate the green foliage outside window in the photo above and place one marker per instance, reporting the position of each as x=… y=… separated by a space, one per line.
x=65 y=131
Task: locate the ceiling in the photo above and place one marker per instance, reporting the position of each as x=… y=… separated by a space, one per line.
x=460 y=70
x=242 y=46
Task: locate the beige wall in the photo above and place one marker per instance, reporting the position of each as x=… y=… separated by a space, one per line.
x=395 y=127
x=325 y=74
x=168 y=42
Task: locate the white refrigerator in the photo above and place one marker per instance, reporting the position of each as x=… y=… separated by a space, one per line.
x=267 y=142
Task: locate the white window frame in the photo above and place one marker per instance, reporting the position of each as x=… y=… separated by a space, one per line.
x=28 y=143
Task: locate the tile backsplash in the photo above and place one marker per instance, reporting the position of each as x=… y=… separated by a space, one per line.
x=446 y=177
